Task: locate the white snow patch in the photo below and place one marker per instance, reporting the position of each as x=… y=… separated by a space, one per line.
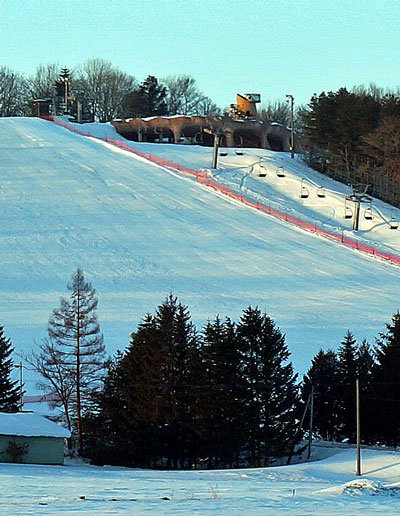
x=28 y=424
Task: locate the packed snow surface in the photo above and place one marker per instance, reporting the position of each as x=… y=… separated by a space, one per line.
x=325 y=487
x=140 y=231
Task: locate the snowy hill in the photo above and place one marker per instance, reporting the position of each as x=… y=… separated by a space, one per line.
x=140 y=231
x=325 y=487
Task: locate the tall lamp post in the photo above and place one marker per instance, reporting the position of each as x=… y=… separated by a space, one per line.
x=290 y=99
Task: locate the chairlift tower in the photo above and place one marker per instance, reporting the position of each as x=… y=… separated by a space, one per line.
x=358 y=195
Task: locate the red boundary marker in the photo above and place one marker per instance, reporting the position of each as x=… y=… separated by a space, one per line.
x=201 y=177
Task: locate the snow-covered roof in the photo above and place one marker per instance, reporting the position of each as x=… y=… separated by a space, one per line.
x=28 y=424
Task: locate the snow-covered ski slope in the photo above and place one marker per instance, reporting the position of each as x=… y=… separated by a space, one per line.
x=140 y=231
x=326 y=487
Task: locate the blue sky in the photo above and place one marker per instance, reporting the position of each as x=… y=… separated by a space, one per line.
x=276 y=47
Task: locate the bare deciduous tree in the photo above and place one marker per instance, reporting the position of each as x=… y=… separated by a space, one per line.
x=105 y=86
x=48 y=362
x=71 y=361
x=13 y=93
x=185 y=98
x=42 y=83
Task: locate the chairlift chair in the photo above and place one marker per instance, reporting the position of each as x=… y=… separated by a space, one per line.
x=321 y=192
x=368 y=213
x=280 y=172
x=348 y=212
x=262 y=171
x=393 y=223
x=223 y=152
x=239 y=152
x=304 y=192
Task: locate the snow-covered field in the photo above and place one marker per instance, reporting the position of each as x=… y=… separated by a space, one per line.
x=140 y=231
x=325 y=487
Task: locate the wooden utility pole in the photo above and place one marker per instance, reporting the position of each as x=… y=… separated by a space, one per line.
x=358 y=459
x=300 y=428
x=311 y=421
x=215 y=151
x=217 y=140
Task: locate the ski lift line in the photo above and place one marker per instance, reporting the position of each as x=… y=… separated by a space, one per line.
x=201 y=177
x=383 y=217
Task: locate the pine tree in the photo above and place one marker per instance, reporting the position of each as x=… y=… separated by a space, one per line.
x=106 y=425
x=145 y=394
x=271 y=395
x=149 y=99
x=160 y=370
x=63 y=94
x=74 y=331
x=179 y=342
x=365 y=367
x=386 y=383
x=221 y=406
x=347 y=374
x=9 y=392
x=323 y=375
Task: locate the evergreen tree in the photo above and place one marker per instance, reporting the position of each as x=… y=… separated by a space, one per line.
x=160 y=368
x=323 y=375
x=271 y=389
x=179 y=342
x=9 y=392
x=347 y=374
x=354 y=137
x=365 y=367
x=63 y=91
x=106 y=426
x=221 y=406
x=335 y=122
x=146 y=394
x=73 y=330
x=149 y=99
x=365 y=363
x=386 y=383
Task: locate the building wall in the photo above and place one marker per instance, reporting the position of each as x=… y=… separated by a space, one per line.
x=39 y=450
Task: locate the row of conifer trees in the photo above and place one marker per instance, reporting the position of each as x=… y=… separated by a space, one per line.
x=179 y=399
x=229 y=396
x=225 y=396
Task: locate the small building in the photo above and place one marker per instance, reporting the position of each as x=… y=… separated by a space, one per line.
x=41 y=107
x=28 y=438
